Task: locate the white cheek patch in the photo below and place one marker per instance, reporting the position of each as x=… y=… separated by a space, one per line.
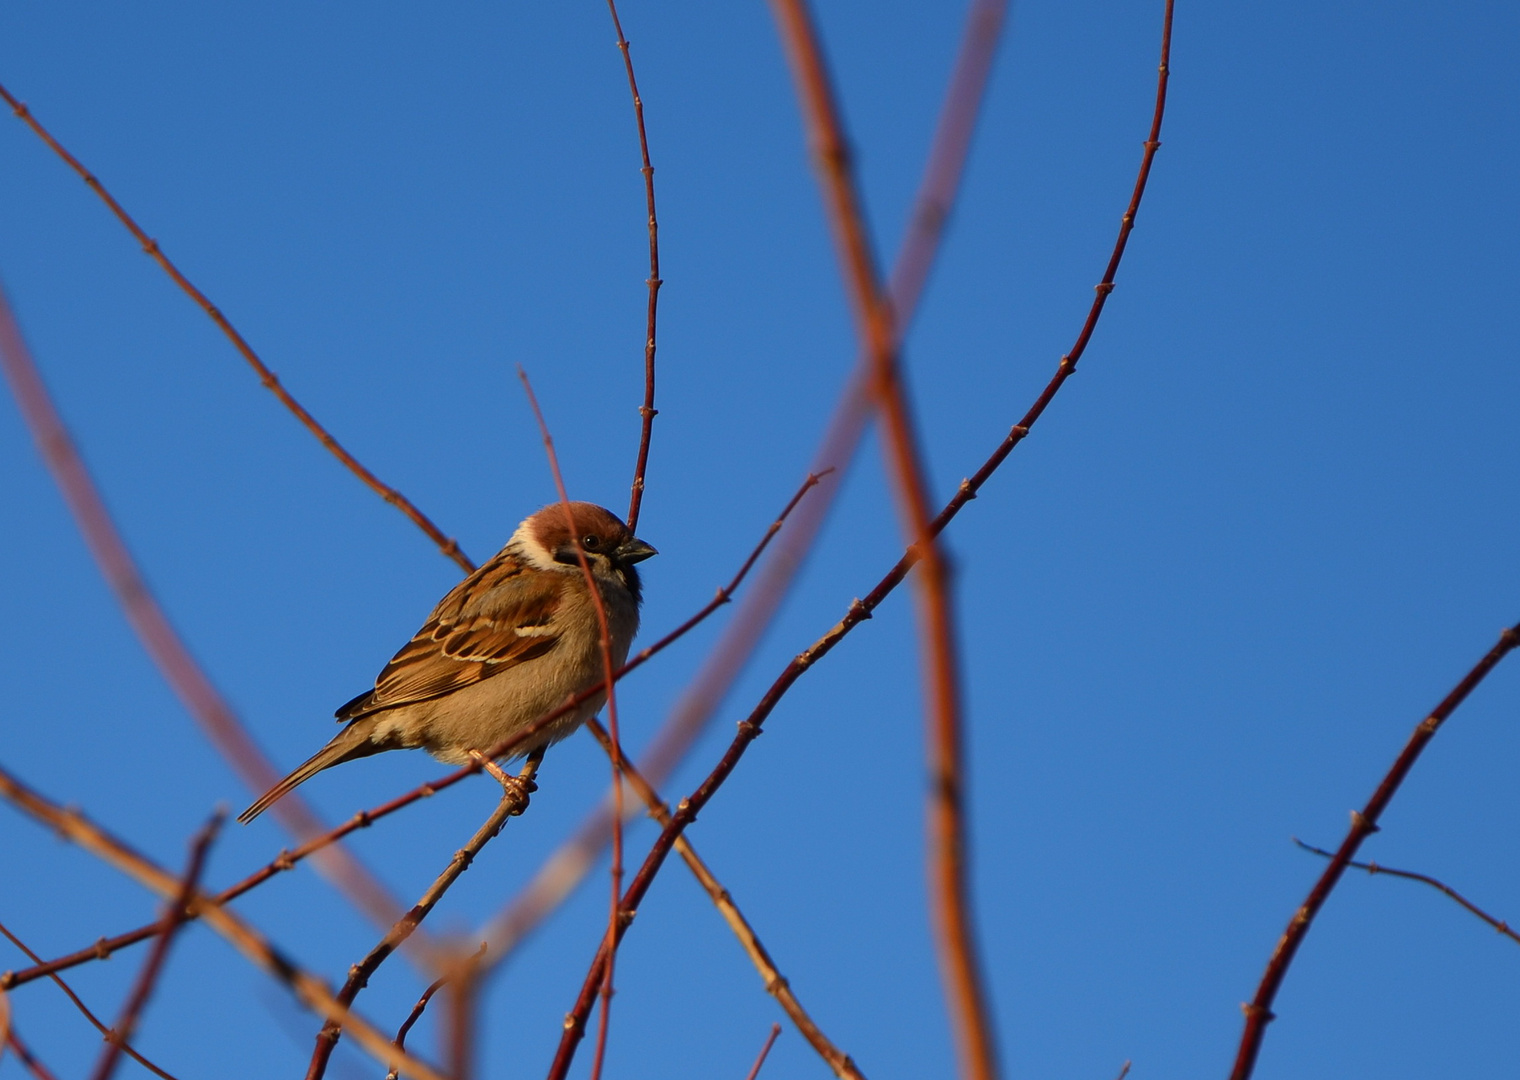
x=533 y=553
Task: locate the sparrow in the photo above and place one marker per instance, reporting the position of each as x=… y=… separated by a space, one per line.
x=509 y=643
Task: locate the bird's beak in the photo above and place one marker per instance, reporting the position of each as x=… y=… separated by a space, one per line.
x=634 y=550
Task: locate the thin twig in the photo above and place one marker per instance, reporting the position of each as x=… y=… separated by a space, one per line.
x=608 y=677
x=287 y=860
x=647 y=411
x=270 y=381
x=152 y=626
x=1363 y=824
x=1123 y=1071
x=776 y=984
x=568 y=865
x=84 y=1009
x=754 y=1070
x=860 y=610
x=1374 y=868
x=965 y=984
x=417 y=1010
x=26 y=1057
x=306 y=987
x=513 y=802
x=173 y=919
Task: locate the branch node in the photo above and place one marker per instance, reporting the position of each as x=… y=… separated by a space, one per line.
x=1362 y=825
x=1254 y=1011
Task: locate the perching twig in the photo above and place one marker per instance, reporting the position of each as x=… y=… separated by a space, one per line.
x=446 y=544
x=647 y=411
x=754 y=1070
x=84 y=1009
x=157 y=634
x=1363 y=824
x=173 y=919
x=513 y=802
x=307 y=988
x=1374 y=868
x=776 y=984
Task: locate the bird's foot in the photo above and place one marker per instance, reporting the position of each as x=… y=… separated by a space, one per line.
x=517 y=788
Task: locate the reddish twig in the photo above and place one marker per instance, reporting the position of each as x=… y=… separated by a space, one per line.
x=860 y=610
x=1123 y=1071
x=26 y=1057
x=1363 y=824
x=417 y=1010
x=754 y=1070
x=513 y=802
x=306 y=987
x=776 y=984
x=564 y=869
x=84 y=1009
x=965 y=985
x=157 y=634
x=1500 y=925
x=287 y=860
x=610 y=680
x=270 y=381
x=173 y=919
x=647 y=411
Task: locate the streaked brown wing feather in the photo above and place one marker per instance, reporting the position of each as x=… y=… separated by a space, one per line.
x=497 y=618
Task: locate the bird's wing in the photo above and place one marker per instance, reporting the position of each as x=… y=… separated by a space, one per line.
x=499 y=617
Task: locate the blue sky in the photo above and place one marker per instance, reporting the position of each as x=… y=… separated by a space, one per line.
x=1259 y=535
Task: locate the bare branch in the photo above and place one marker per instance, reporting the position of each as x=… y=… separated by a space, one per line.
x=152 y=626
x=1363 y=824
x=26 y=1057
x=271 y=382
x=647 y=411
x=1374 y=868
x=173 y=919
x=965 y=985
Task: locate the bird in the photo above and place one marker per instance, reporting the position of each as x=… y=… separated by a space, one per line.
x=509 y=643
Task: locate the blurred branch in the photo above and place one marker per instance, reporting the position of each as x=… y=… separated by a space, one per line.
x=85 y=1009
x=514 y=801
x=416 y=1014
x=647 y=411
x=446 y=544
x=1363 y=824
x=754 y=1070
x=157 y=634
x=776 y=984
x=960 y=961
x=610 y=681
x=26 y=1057
x=307 y=988
x=568 y=865
x=173 y=919
x=1373 y=868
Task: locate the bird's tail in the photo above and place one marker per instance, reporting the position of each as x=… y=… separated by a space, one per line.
x=352 y=742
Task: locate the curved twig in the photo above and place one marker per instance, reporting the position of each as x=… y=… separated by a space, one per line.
x=1363 y=824
x=448 y=545
x=647 y=411
x=1500 y=925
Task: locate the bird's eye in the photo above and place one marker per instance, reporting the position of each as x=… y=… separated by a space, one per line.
x=591 y=542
